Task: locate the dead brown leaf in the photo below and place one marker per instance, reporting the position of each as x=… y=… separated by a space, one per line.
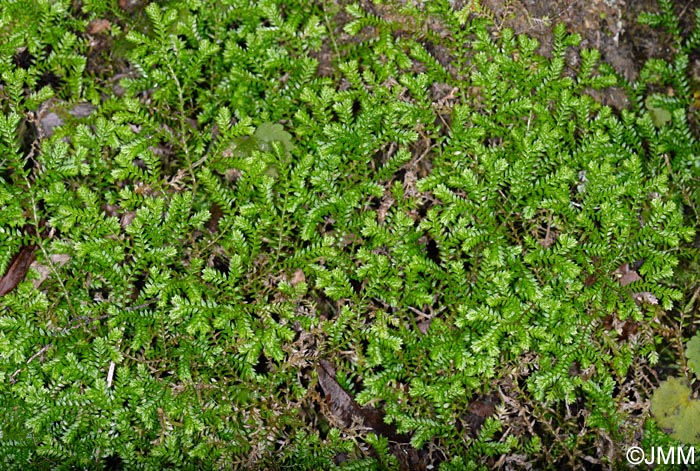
x=645 y=297
x=131 y=6
x=384 y=207
x=477 y=413
x=126 y=219
x=629 y=328
x=49 y=122
x=424 y=326
x=590 y=281
x=19 y=266
x=346 y=411
x=111 y=210
x=44 y=271
x=626 y=275
x=82 y=110
x=298 y=277
x=216 y=214
x=98 y=25
x=624 y=328
x=342 y=405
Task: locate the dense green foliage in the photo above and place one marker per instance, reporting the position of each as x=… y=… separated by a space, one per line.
x=225 y=216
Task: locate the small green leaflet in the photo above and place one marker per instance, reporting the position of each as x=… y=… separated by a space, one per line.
x=659 y=116
x=267 y=133
x=262 y=140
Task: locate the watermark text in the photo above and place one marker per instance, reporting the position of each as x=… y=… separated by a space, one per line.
x=661 y=455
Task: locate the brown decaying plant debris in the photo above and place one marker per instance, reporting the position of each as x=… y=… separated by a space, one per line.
x=19 y=266
x=346 y=411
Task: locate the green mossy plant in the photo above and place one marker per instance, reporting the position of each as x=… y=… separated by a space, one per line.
x=449 y=233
